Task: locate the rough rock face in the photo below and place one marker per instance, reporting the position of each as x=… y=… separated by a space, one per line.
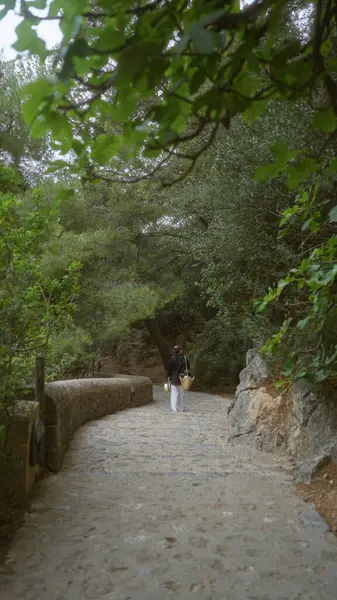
x=254 y=374
x=302 y=422
x=308 y=468
x=315 y=416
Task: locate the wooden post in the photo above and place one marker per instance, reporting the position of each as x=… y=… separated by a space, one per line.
x=40 y=398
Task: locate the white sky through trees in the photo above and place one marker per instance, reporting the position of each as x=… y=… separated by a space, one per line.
x=49 y=31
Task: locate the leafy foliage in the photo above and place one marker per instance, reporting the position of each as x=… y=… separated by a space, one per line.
x=163 y=71
x=158 y=88
x=17 y=147
x=31 y=305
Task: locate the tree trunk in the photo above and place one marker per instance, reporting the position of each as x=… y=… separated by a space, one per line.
x=161 y=343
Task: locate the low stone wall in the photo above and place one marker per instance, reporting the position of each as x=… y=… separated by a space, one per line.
x=71 y=403
x=17 y=476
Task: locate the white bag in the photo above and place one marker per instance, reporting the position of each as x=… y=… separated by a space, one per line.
x=167 y=387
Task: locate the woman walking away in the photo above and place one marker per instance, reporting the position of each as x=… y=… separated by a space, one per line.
x=176 y=369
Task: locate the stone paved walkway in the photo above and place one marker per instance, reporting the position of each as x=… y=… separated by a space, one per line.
x=152 y=505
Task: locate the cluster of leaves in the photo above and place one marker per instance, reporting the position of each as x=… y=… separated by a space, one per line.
x=31 y=304
x=148 y=88
x=17 y=147
x=110 y=229
x=308 y=291
x=162 y=71
x=313 y=280
x=198 y=252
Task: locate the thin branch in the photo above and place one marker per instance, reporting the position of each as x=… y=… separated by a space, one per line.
x=163 y=233
x=193 y=158
x=318 y=60
x=230 y=21
x=135 y=179
x=9 y=252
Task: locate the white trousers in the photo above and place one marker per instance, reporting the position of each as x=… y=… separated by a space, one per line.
x=177 y=398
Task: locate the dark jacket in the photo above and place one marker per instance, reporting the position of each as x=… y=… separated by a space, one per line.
x=177 y=368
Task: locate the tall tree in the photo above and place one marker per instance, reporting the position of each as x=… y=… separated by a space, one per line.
x=170 y=75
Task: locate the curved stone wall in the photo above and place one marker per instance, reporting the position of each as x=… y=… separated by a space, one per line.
x=71 y=403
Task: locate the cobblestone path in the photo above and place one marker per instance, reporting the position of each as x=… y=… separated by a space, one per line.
x=152 y=505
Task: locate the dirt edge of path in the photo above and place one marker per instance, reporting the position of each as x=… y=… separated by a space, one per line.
x=322 y=493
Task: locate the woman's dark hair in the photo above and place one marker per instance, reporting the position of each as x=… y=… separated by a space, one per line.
x=177 y=350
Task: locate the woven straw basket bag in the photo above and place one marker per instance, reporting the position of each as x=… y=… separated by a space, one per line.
x=186 y=381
